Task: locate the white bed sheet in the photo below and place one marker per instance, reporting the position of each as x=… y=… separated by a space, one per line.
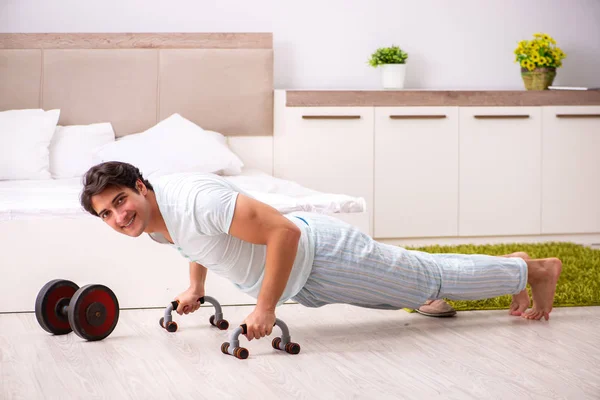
x=59 y=198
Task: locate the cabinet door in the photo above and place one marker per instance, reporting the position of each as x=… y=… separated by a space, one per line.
x=571 y=170
x=416 y=172
x=329 y=149
x=500 y=171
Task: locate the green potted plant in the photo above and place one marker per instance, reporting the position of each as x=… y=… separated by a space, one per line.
x=539 y=58
x=392 y=61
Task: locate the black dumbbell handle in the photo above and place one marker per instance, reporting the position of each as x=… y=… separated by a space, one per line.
x=175 y=303
x=62 y=307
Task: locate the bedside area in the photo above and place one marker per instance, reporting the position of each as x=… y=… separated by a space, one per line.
x=446 y=167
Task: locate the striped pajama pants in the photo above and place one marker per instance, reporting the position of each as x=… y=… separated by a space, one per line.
x=350 y=267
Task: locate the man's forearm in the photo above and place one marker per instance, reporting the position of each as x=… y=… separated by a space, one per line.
x=197 y=276
x=281 y=253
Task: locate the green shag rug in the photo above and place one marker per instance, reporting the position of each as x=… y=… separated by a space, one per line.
x=578 y=285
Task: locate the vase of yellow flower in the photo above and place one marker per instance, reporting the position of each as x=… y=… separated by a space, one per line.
x=539 y=58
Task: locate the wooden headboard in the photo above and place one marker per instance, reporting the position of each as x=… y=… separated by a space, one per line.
x=220 y=81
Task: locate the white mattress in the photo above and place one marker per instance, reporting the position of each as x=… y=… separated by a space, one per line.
x=55 y=198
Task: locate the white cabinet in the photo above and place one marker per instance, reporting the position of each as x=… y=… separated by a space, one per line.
x=329 y=149
x=416 y=172
x=500 y=171
x=450 y=172
x=571 y=170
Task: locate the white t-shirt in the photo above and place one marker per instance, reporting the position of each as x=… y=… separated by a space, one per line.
x=198 y=210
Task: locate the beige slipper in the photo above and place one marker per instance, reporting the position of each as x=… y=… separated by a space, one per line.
x=436 y=308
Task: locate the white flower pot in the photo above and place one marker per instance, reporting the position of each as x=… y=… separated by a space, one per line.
x=392 y=76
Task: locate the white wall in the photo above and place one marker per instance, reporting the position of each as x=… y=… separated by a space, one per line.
x=458 y=44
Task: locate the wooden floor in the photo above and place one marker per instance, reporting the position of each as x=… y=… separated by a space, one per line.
x=347 y=352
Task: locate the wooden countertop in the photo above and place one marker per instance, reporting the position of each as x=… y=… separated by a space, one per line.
x=369 y=98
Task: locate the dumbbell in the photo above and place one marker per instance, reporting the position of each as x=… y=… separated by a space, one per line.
x=279 y=343
x=216 y=319
x=91 y=311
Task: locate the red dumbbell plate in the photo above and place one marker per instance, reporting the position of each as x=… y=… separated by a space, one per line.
x=93 y=312
x=49 y=303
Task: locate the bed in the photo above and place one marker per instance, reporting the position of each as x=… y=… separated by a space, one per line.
x=57 y=199
x=221 y=82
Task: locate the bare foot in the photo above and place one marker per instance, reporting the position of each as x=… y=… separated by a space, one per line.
x=521 y=301
x=543 y=276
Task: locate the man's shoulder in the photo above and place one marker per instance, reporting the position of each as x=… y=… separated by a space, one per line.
x=177 y=193
x=181 y=187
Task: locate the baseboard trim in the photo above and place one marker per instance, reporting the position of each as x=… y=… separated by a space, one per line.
x=587 y=239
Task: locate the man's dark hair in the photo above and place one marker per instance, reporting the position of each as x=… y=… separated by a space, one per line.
x=109 y=174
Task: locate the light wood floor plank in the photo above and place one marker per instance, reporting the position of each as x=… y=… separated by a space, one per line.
x=347 y=352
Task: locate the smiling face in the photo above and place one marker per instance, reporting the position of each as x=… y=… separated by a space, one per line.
x=124 y=209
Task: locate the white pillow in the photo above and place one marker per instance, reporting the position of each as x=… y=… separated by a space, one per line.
x=25 y=136
x=72 y=148
x=218 y=136
x=173 y=145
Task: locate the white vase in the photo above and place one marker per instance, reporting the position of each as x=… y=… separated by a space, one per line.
x=392 y=76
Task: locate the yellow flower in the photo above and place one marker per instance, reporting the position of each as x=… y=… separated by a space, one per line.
x=557 y=55
x=530 y=65
x=539 y=51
